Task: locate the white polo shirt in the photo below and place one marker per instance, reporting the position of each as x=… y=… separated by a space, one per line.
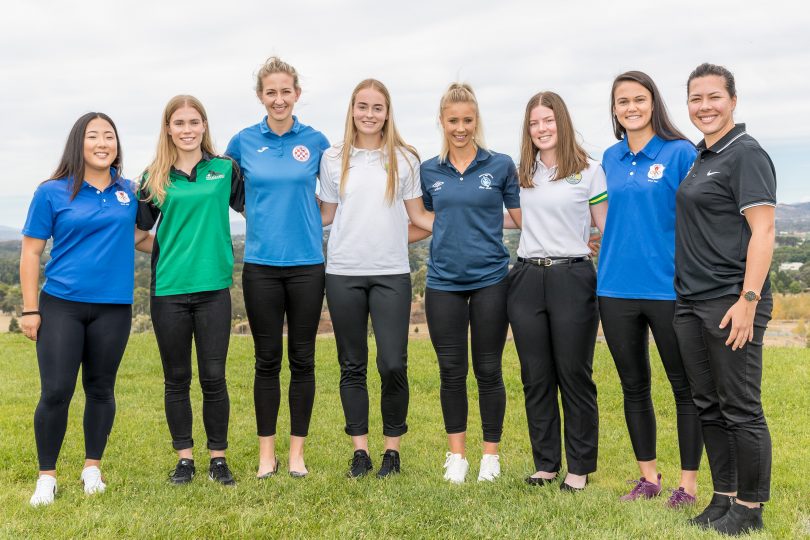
x=369 y=237
x=557 y=213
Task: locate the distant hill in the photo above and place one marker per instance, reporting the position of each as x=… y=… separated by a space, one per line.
x=9 y=233
x=793 y=217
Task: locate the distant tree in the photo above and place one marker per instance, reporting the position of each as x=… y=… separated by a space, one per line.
x=418 y=280
x=795 y=287
x=14 y=326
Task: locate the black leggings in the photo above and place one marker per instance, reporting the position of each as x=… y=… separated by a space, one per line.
x=74 y=334
x=449 y=314
x=554 y=320
x=625 y=323
x=387 y=299
x=205 y=316
x=271 y=292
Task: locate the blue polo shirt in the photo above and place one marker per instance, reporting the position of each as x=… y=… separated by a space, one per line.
x=637 y=259
x=283 y=219
x=93 y=252
x=467 y=251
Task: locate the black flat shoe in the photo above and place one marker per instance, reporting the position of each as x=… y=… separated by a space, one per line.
x=538 y=481
x=270 y=474
x=572 y=489
x=296 y=474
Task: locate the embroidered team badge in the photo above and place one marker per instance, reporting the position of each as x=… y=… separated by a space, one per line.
x=300 y=153
x=214 y=175
x=486 y=181
x=574 y=179
x=122 y=197
x=656 y=171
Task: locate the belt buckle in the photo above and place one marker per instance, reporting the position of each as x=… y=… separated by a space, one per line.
x=545 y=261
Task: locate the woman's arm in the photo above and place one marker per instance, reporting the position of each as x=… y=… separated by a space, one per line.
x=30 y=256
x=418 y=215
x=758 y=261
x=328 y=211
x=513 y=219
x=143 y=240
x=599 y=215
x=416 y=233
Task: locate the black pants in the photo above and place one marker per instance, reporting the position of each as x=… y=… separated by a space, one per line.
x=449 y=314
x=205 y=317
x=74 y=334
x=554 y=320
x=625 y=323
x=270 y=293
x=387 y=299
x=726 y=386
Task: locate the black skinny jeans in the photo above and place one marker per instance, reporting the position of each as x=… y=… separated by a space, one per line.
x=554 y=320
x=726 y=386
x=625 y=323
x=73 y=335
x=387 y=299
x=271 y=292
x=449 y=314
x=205 y=317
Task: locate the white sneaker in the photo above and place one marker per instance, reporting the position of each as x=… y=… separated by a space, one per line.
x=45 y=490
x=457 y=468
x=91 y=478
x=490 y=467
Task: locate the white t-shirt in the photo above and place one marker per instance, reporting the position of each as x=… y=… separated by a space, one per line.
x=557 y=213
x=369 y=237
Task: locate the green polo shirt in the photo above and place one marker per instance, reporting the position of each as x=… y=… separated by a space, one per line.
x=192 y=250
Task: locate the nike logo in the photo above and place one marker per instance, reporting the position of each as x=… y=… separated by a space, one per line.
x=710 y=173
x=262 y=149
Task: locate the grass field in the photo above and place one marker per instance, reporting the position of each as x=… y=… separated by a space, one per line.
x=140 y=504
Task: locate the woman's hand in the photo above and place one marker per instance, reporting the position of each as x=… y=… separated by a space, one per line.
x=30 y=325
x=741 y=317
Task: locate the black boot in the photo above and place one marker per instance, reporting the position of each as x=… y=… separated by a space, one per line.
x=739 y=520
x=717 y=508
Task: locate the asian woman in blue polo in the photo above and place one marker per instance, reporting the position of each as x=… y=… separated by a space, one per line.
x=467 y=187
x=82 y=316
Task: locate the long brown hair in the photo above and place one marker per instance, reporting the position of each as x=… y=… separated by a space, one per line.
x=156 y=176
x=71 y=165
x=391 y=141
x=571 y=157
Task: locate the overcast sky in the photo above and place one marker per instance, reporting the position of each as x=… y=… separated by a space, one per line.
x=61 y=59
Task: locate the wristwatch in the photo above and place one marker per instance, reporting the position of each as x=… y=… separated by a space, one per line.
x=750 y=296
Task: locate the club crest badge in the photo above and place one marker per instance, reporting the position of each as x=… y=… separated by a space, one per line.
x=574 y=179
x=300 y=153
x=122 y=197
x=486 y=181
x=656 y=171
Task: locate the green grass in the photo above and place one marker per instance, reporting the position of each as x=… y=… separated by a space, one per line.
x=139 y=503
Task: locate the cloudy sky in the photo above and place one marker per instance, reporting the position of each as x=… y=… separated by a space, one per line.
x=61 y=59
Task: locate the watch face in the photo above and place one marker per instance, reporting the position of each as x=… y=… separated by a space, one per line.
x=750 y=296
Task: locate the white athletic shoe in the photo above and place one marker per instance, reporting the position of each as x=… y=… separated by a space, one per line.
x=45 y=490
x=91 y=478
x=457 y=468
x=490 y=468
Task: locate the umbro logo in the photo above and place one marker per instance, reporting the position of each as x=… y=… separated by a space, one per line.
x=712 y=173
x=262 y=149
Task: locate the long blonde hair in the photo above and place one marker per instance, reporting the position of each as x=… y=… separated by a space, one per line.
x=571 y=157
x=391 y=141
x=461 y=93
x=156 y=177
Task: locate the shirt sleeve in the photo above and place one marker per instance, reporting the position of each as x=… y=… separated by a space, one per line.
x=598 y=193
x=511 y=188
x=410 y=186
x=686 y=158
x=329 y=191
x=234 y=150
x=753 y=181
x=427 y=198
x=237 y=198
x=39 y=223
x=148 y=212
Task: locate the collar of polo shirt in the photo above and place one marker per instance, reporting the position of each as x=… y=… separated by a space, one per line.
x=265 y=129
x=736 y=132
x=650 y=149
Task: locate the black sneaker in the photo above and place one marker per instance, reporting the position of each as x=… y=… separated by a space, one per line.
x=218 y=471
x=718 y=507
x=390 y=464
x=360 y=464
x=183 y=472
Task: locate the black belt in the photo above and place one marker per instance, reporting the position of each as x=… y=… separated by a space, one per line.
x=549 y=261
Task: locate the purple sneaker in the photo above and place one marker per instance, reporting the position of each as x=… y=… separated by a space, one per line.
x=679 y=499
x=642 y=489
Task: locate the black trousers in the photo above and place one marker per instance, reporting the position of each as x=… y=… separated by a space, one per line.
x=387 y=299
x=483 y=311
x=73 y=335
x=554 y=321
x=625 y=323
x=204 y=317
x=271 y=292
x=726 y=386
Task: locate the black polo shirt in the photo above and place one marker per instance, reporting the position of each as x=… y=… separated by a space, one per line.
x=711 y=233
